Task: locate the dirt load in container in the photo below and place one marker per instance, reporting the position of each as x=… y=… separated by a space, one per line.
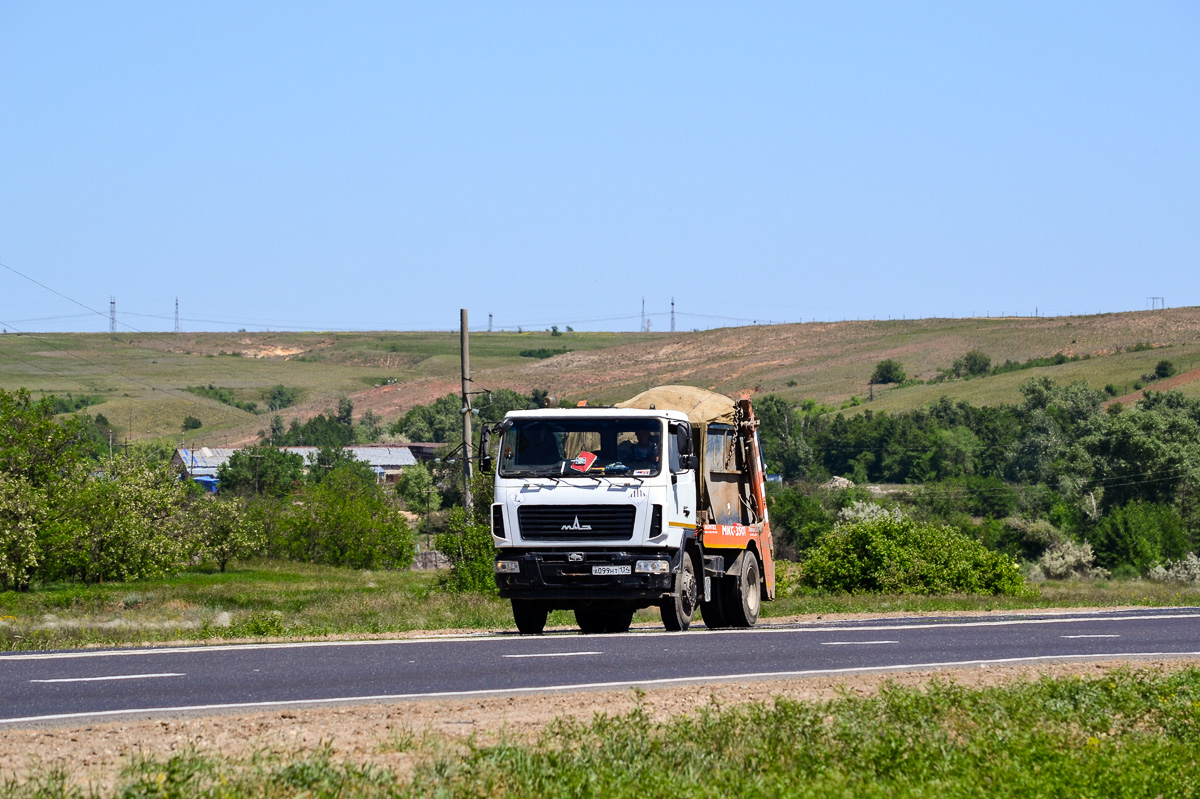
x=657 y=502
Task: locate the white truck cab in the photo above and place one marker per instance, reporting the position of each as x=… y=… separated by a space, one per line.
x=598 y=510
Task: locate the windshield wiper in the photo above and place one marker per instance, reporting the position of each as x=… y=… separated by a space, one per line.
x=527 y=473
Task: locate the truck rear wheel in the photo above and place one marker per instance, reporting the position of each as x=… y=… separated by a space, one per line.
x=603 y=620
x=743 y=596
x=530 y=616
x=677 y=611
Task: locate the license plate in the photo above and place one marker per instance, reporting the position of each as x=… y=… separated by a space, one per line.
x=599 y=570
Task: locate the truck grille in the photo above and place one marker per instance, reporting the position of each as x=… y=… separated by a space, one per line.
x=547 y=522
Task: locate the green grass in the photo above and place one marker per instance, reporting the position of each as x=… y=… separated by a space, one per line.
x=282 y=599
x=1124 y=734
x=252 y=600
x=142 y=378
x=1048 y=738
x=1050 y=594
x=1121 y=371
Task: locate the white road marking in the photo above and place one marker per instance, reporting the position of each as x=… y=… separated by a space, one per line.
x=766 y=675
x=114 y=677
x=493 y=637
x=855 y=643
x=1090 y=636
x=551 y=655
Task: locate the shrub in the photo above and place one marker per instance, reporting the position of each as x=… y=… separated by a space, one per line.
x=543 y=352
x=222 y=395
x=797 y=519
x=888 y=371
x=990 y=496
x=1069 y=559
x=222 y=531
x=1164 y=368
x=1186 y=570
x=1022 y=538
x=975 y=363
x=468 y=546
x=120 y=524
x=903 y=556
x=861 y=511
x=416 y=488
x=345 y=521
x=281 y=396
x=1139 y=535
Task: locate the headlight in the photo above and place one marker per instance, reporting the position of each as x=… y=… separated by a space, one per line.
x=652 y=567
x=508 y=567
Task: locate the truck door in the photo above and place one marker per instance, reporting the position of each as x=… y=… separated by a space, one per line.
x=682 y=503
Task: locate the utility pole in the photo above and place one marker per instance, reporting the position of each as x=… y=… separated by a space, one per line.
x=672 y=314
x=112 y=315
x=489 y=323
x=257 y=487
x=177 y=330
x=465 y=348
x=428 y=502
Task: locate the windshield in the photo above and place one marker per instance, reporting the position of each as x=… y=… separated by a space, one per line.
x=581 y=447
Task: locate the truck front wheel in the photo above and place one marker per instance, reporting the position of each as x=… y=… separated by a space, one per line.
x=677 y=611
x=530 y=616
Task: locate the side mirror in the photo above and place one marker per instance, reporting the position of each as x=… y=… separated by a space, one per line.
x=485 y=439
x=683 y=432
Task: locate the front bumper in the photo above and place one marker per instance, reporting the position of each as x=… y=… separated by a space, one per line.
x=567 y=576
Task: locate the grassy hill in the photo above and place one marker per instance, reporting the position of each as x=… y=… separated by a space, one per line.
x=141 y=378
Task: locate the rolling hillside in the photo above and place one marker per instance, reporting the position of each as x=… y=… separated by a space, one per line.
x=141 y=378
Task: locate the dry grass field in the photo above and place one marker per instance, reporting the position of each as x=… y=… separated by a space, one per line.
x=141 y=377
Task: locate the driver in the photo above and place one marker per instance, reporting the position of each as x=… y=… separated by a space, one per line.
x=645 y=448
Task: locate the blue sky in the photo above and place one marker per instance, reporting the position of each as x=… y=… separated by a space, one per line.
x=379 y=166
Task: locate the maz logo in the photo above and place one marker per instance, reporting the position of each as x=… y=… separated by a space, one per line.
x=577 y=525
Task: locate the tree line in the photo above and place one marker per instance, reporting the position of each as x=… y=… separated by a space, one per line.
x=69 y=512
x=1125 y=482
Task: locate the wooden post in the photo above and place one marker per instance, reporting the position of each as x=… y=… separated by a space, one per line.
x=465 y=346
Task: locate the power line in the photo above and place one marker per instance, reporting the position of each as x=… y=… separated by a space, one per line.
x=52 y=291
x=53 y=318
x=112 y=330
x=309 y=326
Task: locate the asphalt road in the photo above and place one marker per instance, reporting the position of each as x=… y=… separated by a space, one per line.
x=53 y=687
